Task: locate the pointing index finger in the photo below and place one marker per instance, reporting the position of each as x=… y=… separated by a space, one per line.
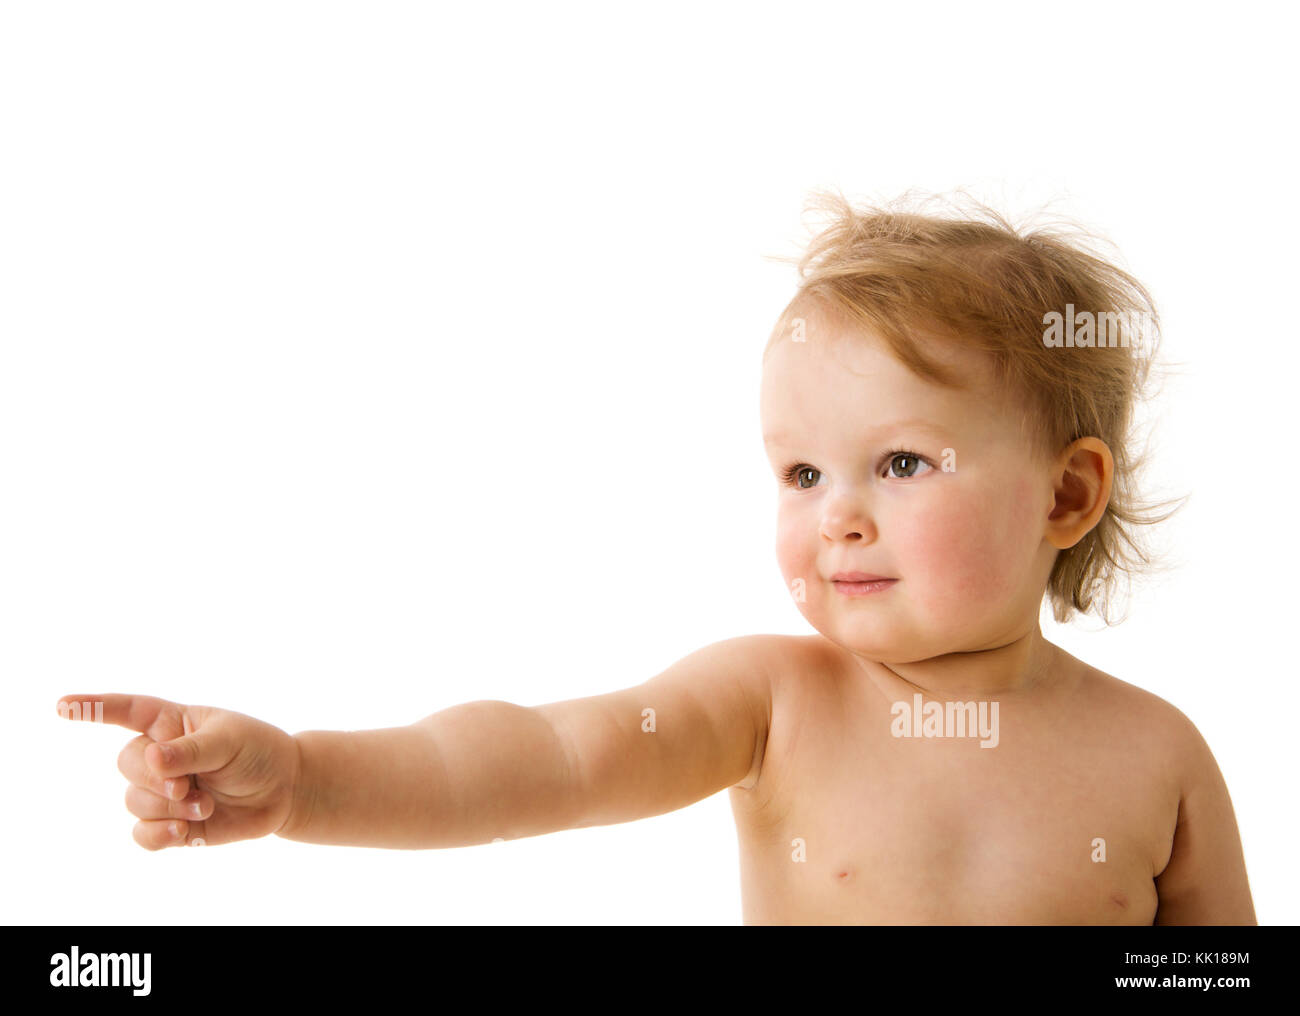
x=136 y=712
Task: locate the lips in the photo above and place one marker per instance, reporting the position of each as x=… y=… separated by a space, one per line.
x=858 y=584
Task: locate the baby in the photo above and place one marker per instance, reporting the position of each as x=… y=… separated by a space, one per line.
x=946 y=406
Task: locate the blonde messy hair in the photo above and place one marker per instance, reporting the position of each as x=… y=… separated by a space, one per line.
x=979 y=280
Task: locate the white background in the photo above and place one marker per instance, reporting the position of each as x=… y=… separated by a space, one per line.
x=363 y=359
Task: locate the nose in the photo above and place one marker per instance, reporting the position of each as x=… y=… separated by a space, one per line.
x=846 y=518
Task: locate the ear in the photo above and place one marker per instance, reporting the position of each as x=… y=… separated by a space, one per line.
x=1081 y=482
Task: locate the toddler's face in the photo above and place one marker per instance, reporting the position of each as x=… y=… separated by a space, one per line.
x=934 y=489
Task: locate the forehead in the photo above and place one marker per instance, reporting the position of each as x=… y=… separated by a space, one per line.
x=844 y=377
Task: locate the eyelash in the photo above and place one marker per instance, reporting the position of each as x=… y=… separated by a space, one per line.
x=792 y=471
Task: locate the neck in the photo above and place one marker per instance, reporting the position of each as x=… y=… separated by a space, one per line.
x=1013 y=667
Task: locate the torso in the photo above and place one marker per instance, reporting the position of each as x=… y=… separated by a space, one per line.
x=897 y=830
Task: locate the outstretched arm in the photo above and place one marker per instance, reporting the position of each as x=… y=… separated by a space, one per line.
x=489 y=769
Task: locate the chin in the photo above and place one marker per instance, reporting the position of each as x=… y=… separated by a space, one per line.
x=881 y=647
x=892 y=655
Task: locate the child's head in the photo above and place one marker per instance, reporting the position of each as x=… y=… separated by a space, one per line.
x=934 y=337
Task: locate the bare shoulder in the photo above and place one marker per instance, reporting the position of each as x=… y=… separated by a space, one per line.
x=1165 y=729
x=760 y=664
x=765 y=660
x=1202 y=877
x=801 y=656
x=755 y=662
x=729 y=685
x=763 y=666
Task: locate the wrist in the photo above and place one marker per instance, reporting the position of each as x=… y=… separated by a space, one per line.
x=302 y=793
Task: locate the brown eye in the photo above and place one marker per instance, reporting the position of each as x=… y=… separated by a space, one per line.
x=905 y=464
x=796 y=474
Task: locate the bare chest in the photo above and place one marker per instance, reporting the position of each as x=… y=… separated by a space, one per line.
x=853 y=827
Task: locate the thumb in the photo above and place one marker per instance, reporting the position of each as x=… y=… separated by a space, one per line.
x=199 y=752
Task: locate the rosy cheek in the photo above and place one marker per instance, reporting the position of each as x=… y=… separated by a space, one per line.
x=798 y=541
x=960 y=548
x=793 y=551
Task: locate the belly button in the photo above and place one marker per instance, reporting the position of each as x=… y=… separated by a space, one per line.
x=1119 y=899
x=843 y=876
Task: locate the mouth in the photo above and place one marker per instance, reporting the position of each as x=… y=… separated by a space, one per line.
x=860 y=583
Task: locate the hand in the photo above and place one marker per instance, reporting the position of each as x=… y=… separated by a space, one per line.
x=241 y=773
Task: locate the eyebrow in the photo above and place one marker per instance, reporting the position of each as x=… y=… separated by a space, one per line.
x=781 y=437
